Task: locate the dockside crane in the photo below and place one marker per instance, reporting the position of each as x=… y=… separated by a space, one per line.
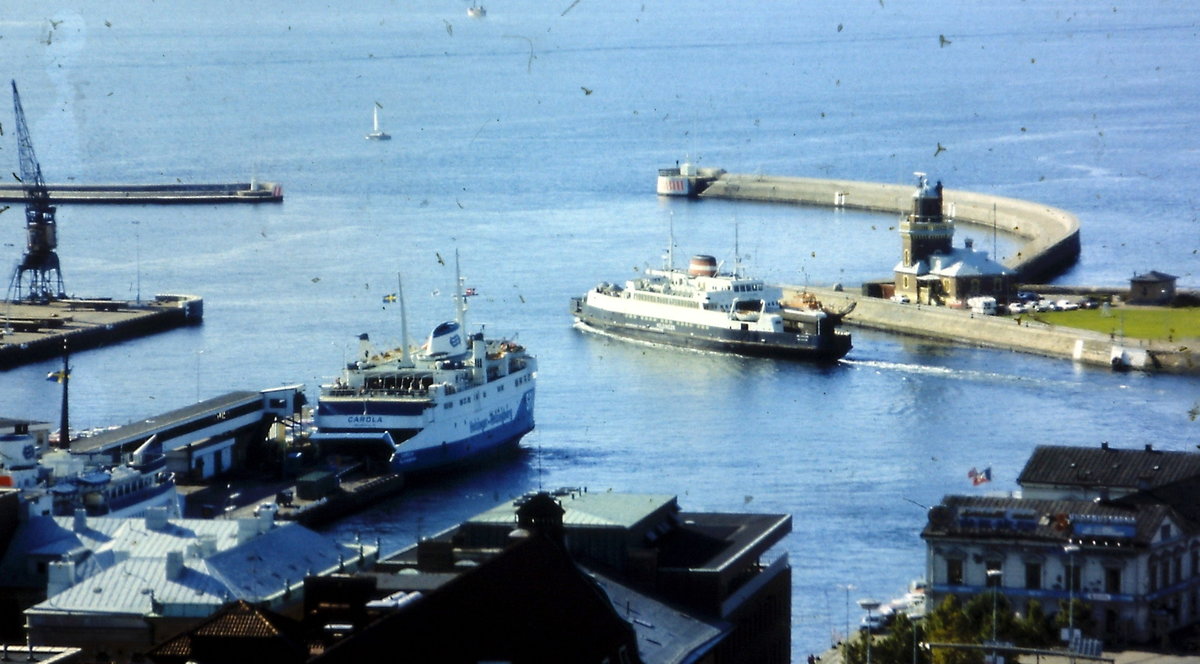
x=38 y=277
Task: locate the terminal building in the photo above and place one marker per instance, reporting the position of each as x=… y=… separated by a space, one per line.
x=931 y=270
x=1118 y=530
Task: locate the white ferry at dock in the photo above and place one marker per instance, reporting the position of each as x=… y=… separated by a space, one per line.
x=704 y=308
x=461 y=398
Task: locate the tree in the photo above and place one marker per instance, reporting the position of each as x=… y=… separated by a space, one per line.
x=949 y=624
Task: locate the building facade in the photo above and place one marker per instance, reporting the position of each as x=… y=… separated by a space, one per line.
x=1095 y=525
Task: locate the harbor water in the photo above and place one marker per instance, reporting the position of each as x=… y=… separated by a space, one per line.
x=528 y=142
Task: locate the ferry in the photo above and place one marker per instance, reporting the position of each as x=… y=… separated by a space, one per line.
x=60 y=482
x=704 y=308
x=460 y=398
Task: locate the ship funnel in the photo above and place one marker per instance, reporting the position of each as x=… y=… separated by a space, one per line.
x=364 y=347
x=703 y=266
x=446 y=340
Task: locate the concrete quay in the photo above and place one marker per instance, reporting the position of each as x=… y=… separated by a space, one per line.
x=1019 y=333
x=140 y=194
x=1051 y=243
x=33 y=332
x=1050 y=235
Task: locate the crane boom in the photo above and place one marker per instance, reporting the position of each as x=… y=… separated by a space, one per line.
x=38 y=277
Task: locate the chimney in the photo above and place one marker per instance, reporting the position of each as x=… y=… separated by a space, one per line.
x=1104 y=445
x=542 y=513
x=80 y=523
x=1149 y=447
x=61 y=576
x=156 y=518
x=174 y=564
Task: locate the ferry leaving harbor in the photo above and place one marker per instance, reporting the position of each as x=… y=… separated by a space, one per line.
x=704 y=308
x=460 y=398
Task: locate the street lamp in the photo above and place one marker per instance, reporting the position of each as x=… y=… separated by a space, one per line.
x=868 y=605
x=848 y=587
x=1070 y=550
x=994 y=574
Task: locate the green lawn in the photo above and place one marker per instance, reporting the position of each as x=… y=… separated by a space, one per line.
x=1159 y=323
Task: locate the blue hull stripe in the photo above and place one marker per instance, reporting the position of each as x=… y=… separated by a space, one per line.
x=485 y=443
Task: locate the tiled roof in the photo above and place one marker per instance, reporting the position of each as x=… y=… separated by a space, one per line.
x=278 y=636
x=1108 y=467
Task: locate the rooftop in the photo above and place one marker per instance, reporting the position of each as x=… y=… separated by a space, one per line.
x=1110 y=467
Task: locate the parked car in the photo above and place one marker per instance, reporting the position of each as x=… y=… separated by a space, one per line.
x=1016 y=307
x=1066 y=305
x=901 y=298
x=1028 y=296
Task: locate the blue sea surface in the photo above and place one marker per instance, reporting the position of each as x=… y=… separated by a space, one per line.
x=528 y=142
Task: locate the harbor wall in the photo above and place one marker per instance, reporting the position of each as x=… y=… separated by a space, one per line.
x=1016 y=333
x=234 y=192
x=1050 y=235
x=1050 y=244
x=38 y=331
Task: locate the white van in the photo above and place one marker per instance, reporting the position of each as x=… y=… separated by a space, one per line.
x=983 y=305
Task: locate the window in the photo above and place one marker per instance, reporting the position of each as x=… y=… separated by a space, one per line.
x=954 y=572
x=1112 y=580
x=1033 y=576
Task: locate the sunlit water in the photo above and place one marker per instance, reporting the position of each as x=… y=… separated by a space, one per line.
x=500 y=152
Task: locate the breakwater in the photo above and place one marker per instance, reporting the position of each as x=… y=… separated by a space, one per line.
x=33 y=332
x=1020 y=333
x=234 y=192
x=1050 y=236
x=1050 y=244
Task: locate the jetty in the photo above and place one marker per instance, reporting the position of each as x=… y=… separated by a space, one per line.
x=32 y=332
x=141 y=194
x=1050 y=244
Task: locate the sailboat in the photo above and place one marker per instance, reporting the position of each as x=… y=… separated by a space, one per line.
x=377 y=134
x=476 y=11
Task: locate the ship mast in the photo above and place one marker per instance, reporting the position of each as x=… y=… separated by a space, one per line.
x=460 y=304
x=671 y=241
x=404 y=358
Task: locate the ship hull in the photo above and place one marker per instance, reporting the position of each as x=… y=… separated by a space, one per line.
x=416 y=438
x=757 y=343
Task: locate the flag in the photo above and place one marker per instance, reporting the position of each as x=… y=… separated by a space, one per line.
x=58 y=376
x=390 y=297
x=469 y=292
x=978 y=477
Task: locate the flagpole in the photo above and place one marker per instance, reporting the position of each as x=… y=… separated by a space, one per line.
x=64 y=431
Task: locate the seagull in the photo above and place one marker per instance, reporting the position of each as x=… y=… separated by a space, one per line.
x=439 y=257
x=942 y=41
x=586 y=91
x=940 y=149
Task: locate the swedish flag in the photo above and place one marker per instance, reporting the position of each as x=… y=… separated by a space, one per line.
x=390 y=297
x=58 y=376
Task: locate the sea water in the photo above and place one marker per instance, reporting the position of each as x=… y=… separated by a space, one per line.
x=527 y=142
